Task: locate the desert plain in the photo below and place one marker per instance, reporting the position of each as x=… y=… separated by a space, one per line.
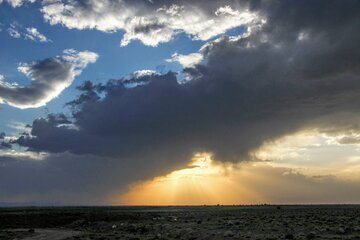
x=181 y=222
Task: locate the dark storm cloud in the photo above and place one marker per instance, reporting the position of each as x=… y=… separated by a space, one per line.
x=49 y=78
x=253 y=89
x=4 y=144
x=73 y=179
x=299 y=71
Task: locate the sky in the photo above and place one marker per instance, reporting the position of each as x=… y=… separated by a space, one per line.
x=155 y=102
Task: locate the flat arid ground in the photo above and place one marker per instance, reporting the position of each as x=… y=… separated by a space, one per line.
x=202 y=222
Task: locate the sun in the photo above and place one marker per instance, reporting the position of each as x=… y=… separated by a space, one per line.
x=200 y=167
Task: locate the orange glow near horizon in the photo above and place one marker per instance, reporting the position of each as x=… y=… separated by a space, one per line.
x=302 y=168
x=206 y=181
x=203 y=182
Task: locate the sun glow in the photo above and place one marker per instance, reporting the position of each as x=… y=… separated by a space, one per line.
x=204 y=181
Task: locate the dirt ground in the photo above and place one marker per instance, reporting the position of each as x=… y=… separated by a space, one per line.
x=202 y=222
x=39 y=234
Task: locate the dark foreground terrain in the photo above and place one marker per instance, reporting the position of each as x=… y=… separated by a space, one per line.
x=205 y=222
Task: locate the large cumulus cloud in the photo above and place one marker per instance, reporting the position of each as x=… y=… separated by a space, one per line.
x=250 y=90
x=49 y=78
x=300 y=70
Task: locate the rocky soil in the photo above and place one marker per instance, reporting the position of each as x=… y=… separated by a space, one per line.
x=203 y=222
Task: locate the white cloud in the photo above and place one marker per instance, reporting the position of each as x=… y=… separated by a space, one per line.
x=150 y=23
x=17 y=3
x=13 y=31
x=142 y=73
x=186 y=61
x=138 y=78
x=34 y=35
x=30 y=33
x=24 y=155
x=226 y=10
x=79 y=59
x=173 y=10
x=49 y=78
x=18 y=127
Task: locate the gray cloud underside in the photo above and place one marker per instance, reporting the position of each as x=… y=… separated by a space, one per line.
x=49 y=78
x=70 y=179
x=73 y=179
x=31 y=95
x=301 y=70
